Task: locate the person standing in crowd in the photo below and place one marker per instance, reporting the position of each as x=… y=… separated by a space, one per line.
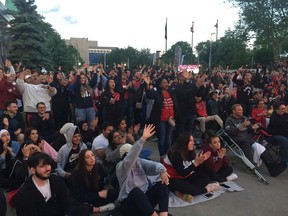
x=33 y=94
x=111 y=99
x=84 y=104
x=8 y=91
x=165 y=107
x=243 y=80
x=60 y=101
x=136 y=197
x=88 y=184
x=43 y=193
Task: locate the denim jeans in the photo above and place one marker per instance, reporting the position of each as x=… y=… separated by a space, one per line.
x=85 y=114
x=164 y=137
x=185 y=124
x=283 y=147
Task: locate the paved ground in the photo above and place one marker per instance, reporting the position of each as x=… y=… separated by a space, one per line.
x=257 y=199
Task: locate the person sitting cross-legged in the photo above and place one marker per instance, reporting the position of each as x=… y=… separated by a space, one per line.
x=136 y=197
x=218 y=162
x=188 y=175
x=88 y=184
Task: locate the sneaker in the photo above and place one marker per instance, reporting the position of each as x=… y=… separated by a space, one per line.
x=232 y=177
x=108 y=207
x=212 y=187
x=184 y=197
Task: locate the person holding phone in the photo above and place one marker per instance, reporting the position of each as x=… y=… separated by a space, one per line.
x=188 y=175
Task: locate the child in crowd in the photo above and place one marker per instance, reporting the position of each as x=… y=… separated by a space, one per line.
x=218 y=162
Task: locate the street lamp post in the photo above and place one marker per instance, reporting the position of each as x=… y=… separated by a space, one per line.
x=210 y=53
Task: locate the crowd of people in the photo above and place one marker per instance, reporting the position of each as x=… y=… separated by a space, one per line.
x=73 y=143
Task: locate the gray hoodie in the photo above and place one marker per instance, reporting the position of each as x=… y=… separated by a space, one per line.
x=63 y=153
x=132 y=171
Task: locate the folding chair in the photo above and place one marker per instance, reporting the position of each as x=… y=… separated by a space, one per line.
x=234 y=147
x=267 y=140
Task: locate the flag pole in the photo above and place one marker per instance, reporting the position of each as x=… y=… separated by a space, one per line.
x=192 y=31
x=166 y=36
x=216 y=30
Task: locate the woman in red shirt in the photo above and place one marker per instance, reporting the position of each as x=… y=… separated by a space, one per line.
x=260 y=113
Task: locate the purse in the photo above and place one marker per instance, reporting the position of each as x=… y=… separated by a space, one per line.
x=138 y=105
x=171 y=121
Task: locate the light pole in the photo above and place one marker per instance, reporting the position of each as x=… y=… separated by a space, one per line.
x=210 y=53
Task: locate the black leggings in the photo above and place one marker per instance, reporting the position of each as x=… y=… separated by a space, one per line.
x=3 y=204
x=194 y=184
x=143 y=204
x=221 y=175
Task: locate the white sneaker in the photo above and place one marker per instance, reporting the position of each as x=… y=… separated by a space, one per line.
x=212 y=187
x=108 y=207
x=232 y=177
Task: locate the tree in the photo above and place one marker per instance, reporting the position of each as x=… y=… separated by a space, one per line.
x=130 y=56
x=169 y=56
x=267 y=19
x=27 y=43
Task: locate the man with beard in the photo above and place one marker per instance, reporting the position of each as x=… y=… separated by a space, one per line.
x=42 y=194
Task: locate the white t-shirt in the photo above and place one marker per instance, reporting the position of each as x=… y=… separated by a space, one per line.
x=44 y=190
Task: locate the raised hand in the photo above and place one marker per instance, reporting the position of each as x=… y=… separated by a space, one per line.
x=148 y=132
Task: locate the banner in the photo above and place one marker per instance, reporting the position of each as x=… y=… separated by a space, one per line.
x=189 y=68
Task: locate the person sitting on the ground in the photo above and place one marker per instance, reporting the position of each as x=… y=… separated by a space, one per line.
x=8 y=150
x=278 y=127
x=20 y=171
x=100 y=143
x=218 y=162
x=68 y=154
x=136 y=197
x=87 y=133
x=44 y=122
x=188 y=176
x=241 y=131
x=131 y=135
x=88 y=184
x=42 y=194
x=16 y=121
x=62 y=138
x=32 y=134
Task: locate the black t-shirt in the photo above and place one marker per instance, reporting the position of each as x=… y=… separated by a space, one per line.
x=72 y=159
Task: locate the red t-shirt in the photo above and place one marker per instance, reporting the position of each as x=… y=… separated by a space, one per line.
x=168 y=108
